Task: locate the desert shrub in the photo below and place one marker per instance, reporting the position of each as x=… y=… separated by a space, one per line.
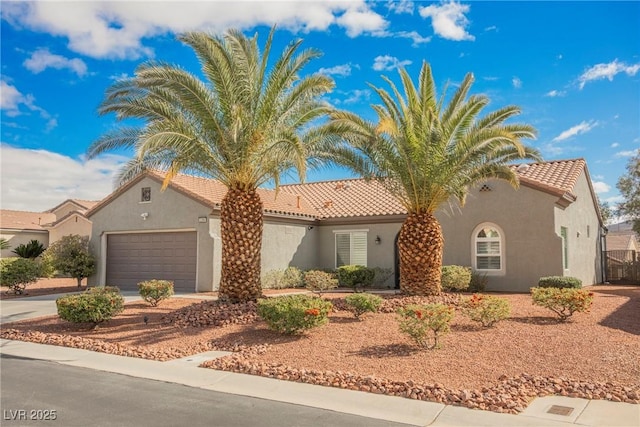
x=319 y=281
x=478 y=282
x=560 y=282
x=425 y=324
x=32 y=250
x=4 y=243
x=455 y=277
x=94 y=305
x=293 y=314
x=354 y=276
x=280 y=279
x=17 y=273
x=363 y=303
x=563 y=302
x=70 y=255
x=293 y=277
x=153 y=291
x=485 y=309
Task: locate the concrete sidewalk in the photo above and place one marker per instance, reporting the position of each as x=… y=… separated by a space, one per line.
x=548 y=411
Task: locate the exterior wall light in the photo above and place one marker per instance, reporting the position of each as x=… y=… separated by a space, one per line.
x=378 y=240
x=144 y=216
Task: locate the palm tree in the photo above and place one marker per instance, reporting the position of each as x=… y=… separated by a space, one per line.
x=245 y=124
x=425 y=153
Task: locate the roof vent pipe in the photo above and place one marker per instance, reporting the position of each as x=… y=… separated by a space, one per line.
x=298 y=201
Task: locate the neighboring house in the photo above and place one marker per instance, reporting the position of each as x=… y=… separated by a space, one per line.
x=551 y=225
x=622 y=241
x=20 y=227
x=622 y=256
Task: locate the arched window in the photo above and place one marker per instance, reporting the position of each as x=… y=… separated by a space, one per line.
x=488 y=249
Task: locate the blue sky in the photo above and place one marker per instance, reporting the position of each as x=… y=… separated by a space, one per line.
x=573 y=68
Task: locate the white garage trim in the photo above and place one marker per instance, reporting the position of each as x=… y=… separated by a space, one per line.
x=103 y=248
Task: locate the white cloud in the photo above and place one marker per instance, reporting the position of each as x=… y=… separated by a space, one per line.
x=601 y=187
x=387 y=63
x=53 y=178
x=615 y=144
x=12 y=101
x=117 y=29
x=607 y=71
x=357 y=95
x=490 y=78
x=338 y=70
x=42 y=59
x=401 y=6
x=516 y=82
x=491 y=28
x=555 y=93
x=581 y=128
x=415 y=37
x=628 y=153
x=448 y=20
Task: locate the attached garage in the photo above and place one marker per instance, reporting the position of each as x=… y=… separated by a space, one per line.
x=134 y=257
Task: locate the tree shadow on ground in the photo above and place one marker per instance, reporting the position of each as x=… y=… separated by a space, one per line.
x=537 y=320
x=627 y=317
x=386 y=350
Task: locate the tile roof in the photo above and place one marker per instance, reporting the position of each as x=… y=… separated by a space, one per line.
x=83 y=204
x=556 y=177
x=22 y=220
x=359 y=198
x=620 y=241
x=210 y=193
x=347 y=198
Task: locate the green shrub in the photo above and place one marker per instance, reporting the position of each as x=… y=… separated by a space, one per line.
x=455 y=277
x=95 y=305
x=293 y=314
x=153 y=291
x=70 y=255
x=4 y=243
x=560 y=282
x=425 y=324
x=478 y=282
x=32 y=250
x=280 y=279
x=319 y=281
x=354 y=276
x=563 y=302
x=363 y=303
x=485 y=309
x=17 y=273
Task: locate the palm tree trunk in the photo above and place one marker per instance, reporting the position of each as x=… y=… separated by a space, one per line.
x=420 y=246
x=241 y=231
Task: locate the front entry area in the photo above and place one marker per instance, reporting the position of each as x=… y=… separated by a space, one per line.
x=135 y=257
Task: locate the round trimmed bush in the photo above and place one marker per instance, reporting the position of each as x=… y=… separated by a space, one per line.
x=363 y=303
x=561 y=282
x=455 y=277
x=95 y=305
x=293 y=314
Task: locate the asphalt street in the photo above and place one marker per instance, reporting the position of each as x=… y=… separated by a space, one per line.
x=37 y=392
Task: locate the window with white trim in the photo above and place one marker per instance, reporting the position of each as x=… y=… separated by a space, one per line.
x=564 y=234
x=351 y=248
x=488 y=249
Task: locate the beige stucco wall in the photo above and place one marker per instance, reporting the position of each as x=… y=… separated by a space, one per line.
x=288 y=244
x=65 y=209
x=16 y=238
x=526 y=216
x=168 y=211
x=582 y=224
x=75 y=224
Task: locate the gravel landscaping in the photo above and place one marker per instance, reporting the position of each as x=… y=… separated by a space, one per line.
x=58 y=285
x=594 y=356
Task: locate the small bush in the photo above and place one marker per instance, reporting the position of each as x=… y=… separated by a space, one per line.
x=70 y=255
x=153 y=291
x=478 y=282
x=355 y=276
x=425 y=324
x=32 y=250
x=486 y=309
x=455 y=277
x=17 y=273
x=363 y=303
x=280 y=279
x=319 y=281
x=560 y=282
x=563 y=302
x=95 y=305
x=293 y=314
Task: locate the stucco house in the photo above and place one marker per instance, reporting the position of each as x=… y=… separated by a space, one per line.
x=551 y=225
x=20 y=227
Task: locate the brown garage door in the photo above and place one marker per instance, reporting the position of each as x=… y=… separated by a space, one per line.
x=132 y=258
